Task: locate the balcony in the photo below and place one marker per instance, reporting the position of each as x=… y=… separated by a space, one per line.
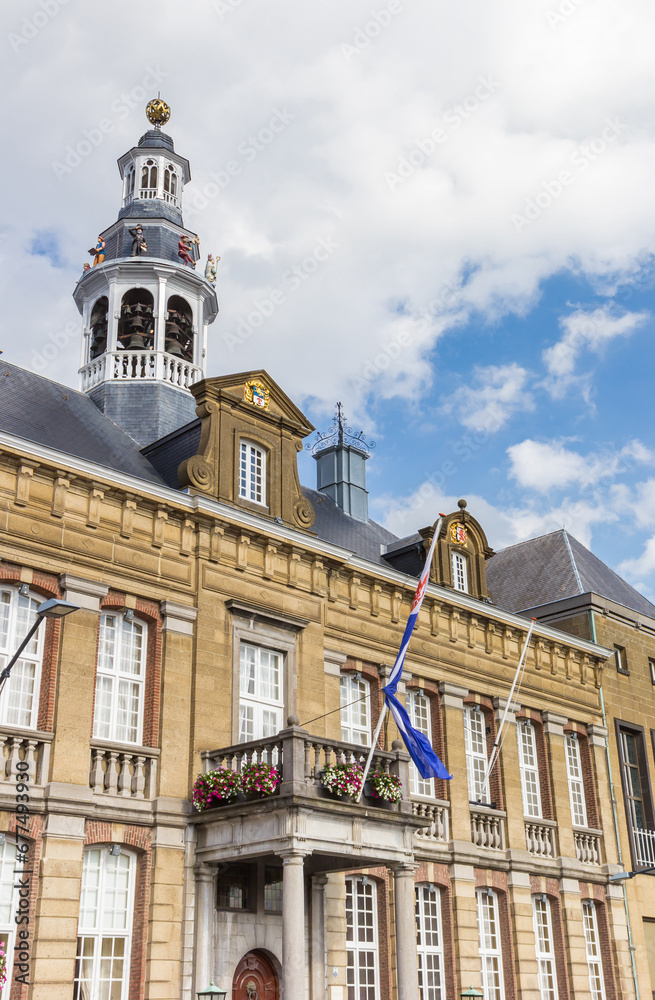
x=134 y=366
x=644 y=841
x=488 y=827
x=587 y=846
x=20 y=746
x=123 y=770
x=540 y=837
x=302 y=815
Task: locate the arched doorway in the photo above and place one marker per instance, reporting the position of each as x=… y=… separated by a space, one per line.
x=255 y=978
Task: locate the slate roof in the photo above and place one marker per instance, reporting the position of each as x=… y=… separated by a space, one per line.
x=551 y=568
x=364 y=538
x=53 y=415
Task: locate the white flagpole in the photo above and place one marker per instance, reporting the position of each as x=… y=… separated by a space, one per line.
x=428 y=564
x=498 y=742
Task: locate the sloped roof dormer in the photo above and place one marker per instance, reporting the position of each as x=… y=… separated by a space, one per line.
x=250 y=429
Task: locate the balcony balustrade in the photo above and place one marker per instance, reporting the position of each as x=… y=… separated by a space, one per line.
x=135 y=366
x=644 y=846
x=488 y=827
x=587 y=846
x=18 y=746
x=540 y=837
x=437 y=818
x=122 y=770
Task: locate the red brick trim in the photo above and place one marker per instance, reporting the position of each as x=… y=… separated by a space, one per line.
x=138 y=839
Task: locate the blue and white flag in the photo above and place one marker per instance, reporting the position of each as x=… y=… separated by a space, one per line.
x=418 y=745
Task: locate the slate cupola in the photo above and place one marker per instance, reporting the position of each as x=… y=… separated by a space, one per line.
x=145 y=309
x=341 y=457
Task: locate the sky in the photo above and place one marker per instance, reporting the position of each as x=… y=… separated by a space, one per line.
x=453 y=199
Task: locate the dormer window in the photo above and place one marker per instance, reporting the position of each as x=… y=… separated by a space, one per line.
x=170 y=185
x=148 y=180
x=460 y=574
x=252 y=473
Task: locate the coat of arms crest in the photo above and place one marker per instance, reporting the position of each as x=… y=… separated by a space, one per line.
x=458 y=534
x=255 y=392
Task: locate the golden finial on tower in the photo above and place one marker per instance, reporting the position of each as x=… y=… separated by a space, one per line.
x=158 y=112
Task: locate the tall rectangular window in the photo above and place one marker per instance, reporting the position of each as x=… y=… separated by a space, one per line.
x=592 y=947
x=20 y=700
x=491 y=955
x=418 y=709
x=460 y=574
x=102 y=966
x=361 y=940
x=261 y=700
x=429 y=943
x=636 y=789
x=252 y=472
x=355 y=710
x=120 y=678
x=621 y=659
x=576 y=783
x=475 y=742
x=529 y=769
x=543 y=937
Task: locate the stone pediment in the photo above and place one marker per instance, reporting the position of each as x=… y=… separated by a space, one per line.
x=249 y=409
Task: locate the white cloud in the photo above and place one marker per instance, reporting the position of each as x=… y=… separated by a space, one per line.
x=323 y=176
x=543 y=466
x=497 y=393
x=590 y=330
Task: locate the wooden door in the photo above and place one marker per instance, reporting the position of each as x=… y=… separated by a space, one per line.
x=255 y=978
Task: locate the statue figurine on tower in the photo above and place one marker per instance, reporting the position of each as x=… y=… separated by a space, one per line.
x=183 y=248
x=98 y=251
x=210 y=269
x=139 y=245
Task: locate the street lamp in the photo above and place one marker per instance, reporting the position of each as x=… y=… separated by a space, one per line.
x=212 y=992
x=622 y=876
x=52 y=608
x=472 y=992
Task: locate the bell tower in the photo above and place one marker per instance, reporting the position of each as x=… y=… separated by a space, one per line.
x=145 y=309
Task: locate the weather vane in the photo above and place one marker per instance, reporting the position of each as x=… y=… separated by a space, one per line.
x=339 y=434
x=158 y=112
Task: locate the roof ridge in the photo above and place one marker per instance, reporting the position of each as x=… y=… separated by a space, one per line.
x=573 y=562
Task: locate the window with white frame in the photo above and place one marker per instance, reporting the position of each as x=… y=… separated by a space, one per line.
x=8 y=908
x=418 y=709
x=130 y=175
x=475 y=743
x=261 y=697
x=576 y=782
x=102 y=965
x=592 y=947
x=252 y=473
x=20 y=701
x=362 y=939
x=491 y=955
x=170 y=184
x=355 y=709
x=529 y=767
x=429 y=943
x=543 y=939
x=120 y=679
x=148 y=180
x=460 y=573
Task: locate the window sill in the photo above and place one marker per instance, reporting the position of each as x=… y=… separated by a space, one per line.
x=131 y=748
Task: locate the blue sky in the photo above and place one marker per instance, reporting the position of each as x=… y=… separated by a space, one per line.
x=454 y=199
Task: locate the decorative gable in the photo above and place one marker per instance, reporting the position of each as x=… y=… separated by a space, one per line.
x=250 y=437
x=461 y=554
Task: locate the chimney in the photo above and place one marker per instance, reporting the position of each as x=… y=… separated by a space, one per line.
x=341 y=458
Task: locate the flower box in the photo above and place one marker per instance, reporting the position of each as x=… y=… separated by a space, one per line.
x=343 y=780
x=258 y=781
x=385 y=789
x=216 y=788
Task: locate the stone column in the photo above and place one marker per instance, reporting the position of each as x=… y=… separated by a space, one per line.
x=554 y=732
x=452 y=700
x=406 y=959
x=204 y=964
x=293 y=925
x=318 y=936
